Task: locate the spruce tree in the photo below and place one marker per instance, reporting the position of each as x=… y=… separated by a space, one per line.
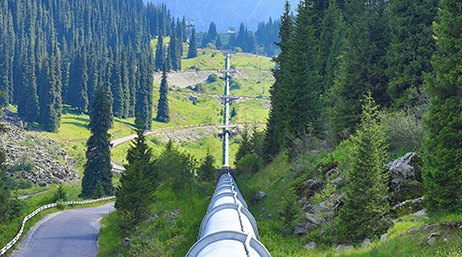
x=366 y=198
x=411 y=49
x=160 y=54
x=363 y=66
x=77 y=95
x=245 y=146
x=50 y=92
x=192 y=52
x=274 y=128
x=138 y=181
x=302 y=93
x=98 y=166
x=144 y=92
x=219 y=45
x=163 y=112
x=331 y=43
x=206 y=170
x=443 y=176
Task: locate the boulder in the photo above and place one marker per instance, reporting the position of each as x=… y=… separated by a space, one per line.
x=336 y=181
x=260 y=194
x=407 y=207
x=365 y=243
x=311 y=218
x=310 y=246
x=406 y=189
x=300 y=229
x=408 y=167
x=384 y=237
x=340 y=248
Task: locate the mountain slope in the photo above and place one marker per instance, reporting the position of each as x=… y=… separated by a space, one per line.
x=226 y=13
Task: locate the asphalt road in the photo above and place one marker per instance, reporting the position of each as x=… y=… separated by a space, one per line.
x=67 y=233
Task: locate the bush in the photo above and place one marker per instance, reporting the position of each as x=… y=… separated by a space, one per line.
x=60 y=194
x=211 y=46
x=238 y=49
x=249 y=164
x=234 y=84
x=403 y=130
x=212 y=78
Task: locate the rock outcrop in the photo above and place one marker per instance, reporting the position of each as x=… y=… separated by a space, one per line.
x=34 y=157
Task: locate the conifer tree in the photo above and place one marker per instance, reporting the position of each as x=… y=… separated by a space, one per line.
x=411 y=49
x=98 y=166
x=331 y=43
x=218 y=44
x=302 y=102
x=160 y=54
x=274 y=128
x=138 y=181
x=77 y=95
x=163 y=112
x=144 y=92
x=363 y=65
x=245 y=146
x=366 y=198
x=192 y=52
x=206 y=170
x=443 y=176
x=50 y=92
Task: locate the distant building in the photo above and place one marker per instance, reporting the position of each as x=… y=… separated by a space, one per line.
x=231 y=30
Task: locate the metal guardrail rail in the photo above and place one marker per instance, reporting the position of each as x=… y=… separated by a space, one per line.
x=48 y=206
x=228 y=228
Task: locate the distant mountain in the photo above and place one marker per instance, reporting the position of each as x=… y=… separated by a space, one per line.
x=226 y=13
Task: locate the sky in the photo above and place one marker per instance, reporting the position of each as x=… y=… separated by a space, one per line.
x=226 y=13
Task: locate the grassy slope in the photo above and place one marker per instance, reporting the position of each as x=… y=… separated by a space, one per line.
x=276 y=179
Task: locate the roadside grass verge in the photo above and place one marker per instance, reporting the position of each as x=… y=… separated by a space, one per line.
x=171 y=230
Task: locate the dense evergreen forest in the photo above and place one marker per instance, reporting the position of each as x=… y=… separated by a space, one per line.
x=58 y=52
x=333 y=52
x=260 y=42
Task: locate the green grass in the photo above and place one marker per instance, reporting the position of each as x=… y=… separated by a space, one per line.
x=170 y=234
x=208 y=59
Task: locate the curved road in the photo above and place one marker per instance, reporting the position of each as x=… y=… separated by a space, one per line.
x=67 y=233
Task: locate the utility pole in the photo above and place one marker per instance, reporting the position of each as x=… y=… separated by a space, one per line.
x=227 y=99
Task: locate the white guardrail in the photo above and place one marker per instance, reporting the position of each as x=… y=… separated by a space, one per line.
x=48 y=206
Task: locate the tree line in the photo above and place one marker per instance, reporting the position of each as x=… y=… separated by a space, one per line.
x=260 y=42
x=58 y=52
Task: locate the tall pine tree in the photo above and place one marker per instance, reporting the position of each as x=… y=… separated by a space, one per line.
x=411 y=49
x=98 y=166
x=192 y=52
x=274 y=128
x=443 y=176
x=163 y=112
x=143 y=105
x=363 y=65
x=137 y=183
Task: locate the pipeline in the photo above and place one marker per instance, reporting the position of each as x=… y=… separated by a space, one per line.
x=228 y=228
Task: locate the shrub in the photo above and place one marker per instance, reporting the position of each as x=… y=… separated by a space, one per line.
x=238 y=49
x=211 y=46
x=212 y=78
x=403 y=131
x=60 y=194
x=249 y=164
